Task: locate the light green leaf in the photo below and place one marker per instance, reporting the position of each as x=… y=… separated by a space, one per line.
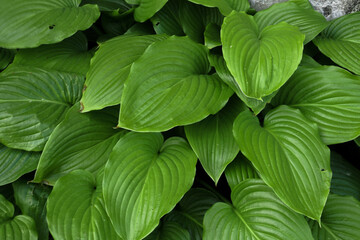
x=290 y=157
x=30 y=23
x=309 y=61
x=70 y=55
x=32 y=102
x=76 y=210
x=190 y=211
x=108 y=5
x=169 y=231
x=261 y=61
x=212 y=139
x=298 y=13
x=147 y=8
x=169 y=86
x=31 y=199
x=221 y=69
x=212 y=35
x=340 y=219
x=340 y=41
x=256 y=213
x=239 y=170
x=80 y=141
x=6 y=57
x=346 y=177
x=328 y=96
x=14 y=163
x=225 y=6
x=110 y=68
x=144 y=179
x=15 y=228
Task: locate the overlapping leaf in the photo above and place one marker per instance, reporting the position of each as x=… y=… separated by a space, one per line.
x=110 y=68
x=28 y=24
x=75 y=208
x=146 y=8
x=225 y=6
x=212 y=35
x=81 y=141
x=290 y=157
x=328 y=96
x=169 y=231
x=6 y=56
x=109 y=5
x=340 y=41
x=32 y=102
x=144 y=179
x=261 y=60
x=256 y=213
x=169 y=85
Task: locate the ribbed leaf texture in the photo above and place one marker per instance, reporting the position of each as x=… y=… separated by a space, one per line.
x=225 y=6
x=147 y=8
x=169 y=231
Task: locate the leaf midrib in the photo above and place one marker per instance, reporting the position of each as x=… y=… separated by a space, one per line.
x=329 y=231
x=246 y=225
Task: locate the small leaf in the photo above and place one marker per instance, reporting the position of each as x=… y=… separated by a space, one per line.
x=261 y=60
x=75 y=208
x=290 y=157
x=6 y=57
x=144 y=179
x=256 y=213
x=169 y=231
x=80 y=141
x=212 y=35
x=225 y=6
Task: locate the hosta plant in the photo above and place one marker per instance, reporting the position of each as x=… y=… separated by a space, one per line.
x=178 y=120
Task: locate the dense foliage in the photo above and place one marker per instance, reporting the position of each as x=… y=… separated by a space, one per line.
x=106 y=106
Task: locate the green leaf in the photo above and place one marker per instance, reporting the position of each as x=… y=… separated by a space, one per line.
x=108 y=5
x=76 y=210
x=357 y=141
x=14 y=163
x=256 y=213
x=340 y=219
x=144 y=179
x=298 y=13
x=109 y=69
x=28 y=24
x=340 y=41
x=290 y=157
x=70 y=55
x=346 y=177
x=117 y=23
x=221 y=69
x=309 y=61
x=6 y=57
x=190 y=211
x=169 y=231
x=212 y=35
x=31 y=198
x=169 y=86
x=80 y=141
x=225 y=6
x=328 y=96
x=15 y=228
x=212 y=139
x=261 y=60
x=147 y=8
x=32 y=102
x=239 y=170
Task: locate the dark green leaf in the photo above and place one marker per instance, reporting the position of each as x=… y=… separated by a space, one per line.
x=169 y=231
x=212 y=35
x=6 y=57
x=225 y=6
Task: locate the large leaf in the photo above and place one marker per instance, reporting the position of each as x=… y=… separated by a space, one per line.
x=32 y=102
x=6 y=56
x=15 y=228
x=190 y=211
x=110 y=68
x=328 y=96
x=340 y=219
x=147 y=8
x=144 y=179
x=81 y=141
x=30 y=23
x=212 y=139
x=298 y=13
x=261 y=60
x=290 y=157
x=14 y=163
x=75 y=208
x=225 y=6
x=169 y=231
x=70 y=55
x=256 y=213
x=31 y=199
x=340 y=41
x=169 y=86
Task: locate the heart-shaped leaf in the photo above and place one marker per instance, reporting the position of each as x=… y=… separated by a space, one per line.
x=261 y=61
x=328 y=96
x=256 y=213
x=6 y=57
x=340 y=41
x=75 y=208
x=32 y=102
x=144 y=179
x=340 y=219
x=110 y=68
x=14 y=163
x=169 y=231
x=225 y=6
x=147 y=8
x=80 y=141
x=290 y=157
x=160 y=93
x=30 y=23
